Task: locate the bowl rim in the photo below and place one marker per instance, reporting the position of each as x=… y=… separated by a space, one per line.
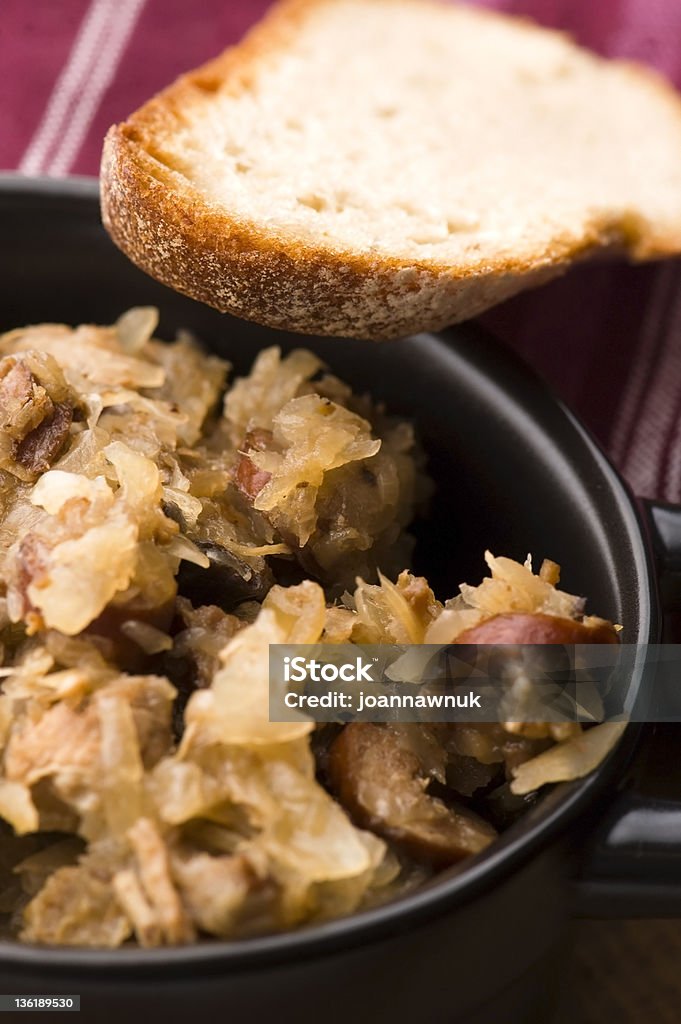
x=453 y=888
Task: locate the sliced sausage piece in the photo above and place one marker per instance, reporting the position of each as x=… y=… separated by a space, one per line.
x=537 y=628
x=382 y=784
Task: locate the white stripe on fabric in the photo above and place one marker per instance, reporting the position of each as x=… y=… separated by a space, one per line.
x=70 y=83
x=106 y=63
x=89 y=69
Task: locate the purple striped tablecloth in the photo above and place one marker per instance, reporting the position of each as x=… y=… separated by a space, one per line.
x=607 y=338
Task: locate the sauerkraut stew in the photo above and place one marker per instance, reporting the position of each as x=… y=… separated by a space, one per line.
x=161 y=524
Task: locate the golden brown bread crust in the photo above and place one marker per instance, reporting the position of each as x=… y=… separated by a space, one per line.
x=172 y=231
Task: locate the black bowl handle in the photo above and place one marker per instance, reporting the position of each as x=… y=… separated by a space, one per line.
x=631 y=866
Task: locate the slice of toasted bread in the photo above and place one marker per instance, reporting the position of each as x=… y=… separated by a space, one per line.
x=379 y=167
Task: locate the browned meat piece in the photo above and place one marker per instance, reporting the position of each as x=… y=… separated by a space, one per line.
x=537 y=628
x=40 y=448
x=249 y=479
x=36 y=412
x=24 y=402
x=381 y=782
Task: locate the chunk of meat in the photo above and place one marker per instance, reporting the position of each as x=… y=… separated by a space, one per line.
x=381 y=782
x=64 y=745
x=36 y=411
x=39 y=449
x=249 y=479
x=76 y=907
x=23 y=400
x=537 y=628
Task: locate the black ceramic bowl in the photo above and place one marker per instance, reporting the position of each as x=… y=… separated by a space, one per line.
x=515 y=473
